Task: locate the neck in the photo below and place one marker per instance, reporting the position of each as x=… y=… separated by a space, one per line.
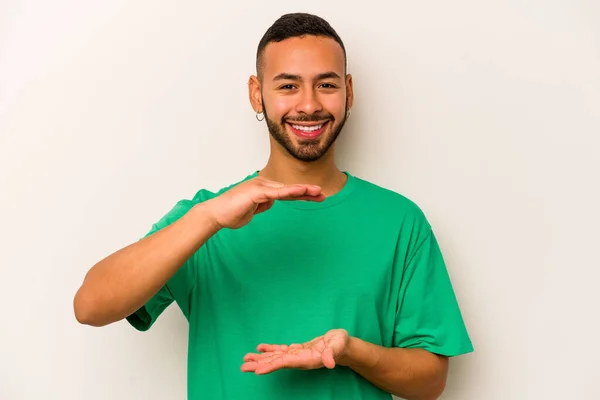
x=282 y=167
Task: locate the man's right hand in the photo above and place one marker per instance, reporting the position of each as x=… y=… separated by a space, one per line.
x=237 y=206
x=124 y=281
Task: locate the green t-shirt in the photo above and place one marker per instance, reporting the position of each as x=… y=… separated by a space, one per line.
x=365 y=260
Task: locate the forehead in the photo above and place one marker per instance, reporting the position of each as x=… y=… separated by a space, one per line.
x=304 y=56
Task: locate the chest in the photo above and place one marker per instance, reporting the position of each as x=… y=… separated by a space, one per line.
x=305 y=254
x=317 y=270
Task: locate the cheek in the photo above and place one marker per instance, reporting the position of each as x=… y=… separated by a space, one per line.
x=280 y=107
x=334 y=105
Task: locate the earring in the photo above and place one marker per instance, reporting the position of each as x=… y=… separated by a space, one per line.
x=348 y=113
x=260 y=119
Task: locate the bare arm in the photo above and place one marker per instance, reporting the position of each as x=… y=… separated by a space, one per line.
x=124 y=281
x=413 y=374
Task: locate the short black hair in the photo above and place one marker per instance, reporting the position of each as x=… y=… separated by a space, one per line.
x=296 y=25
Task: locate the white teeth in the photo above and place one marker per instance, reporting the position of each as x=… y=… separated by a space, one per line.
x=307 y=128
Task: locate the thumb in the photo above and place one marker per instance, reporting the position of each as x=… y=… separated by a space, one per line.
x=327 y=358
x=262 y=207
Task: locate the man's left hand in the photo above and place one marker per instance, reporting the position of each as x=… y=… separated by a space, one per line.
x=323 y=351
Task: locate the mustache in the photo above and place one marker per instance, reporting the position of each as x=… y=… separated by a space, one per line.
x=309 y=118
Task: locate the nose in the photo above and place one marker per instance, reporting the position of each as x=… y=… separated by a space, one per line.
x=308 y=102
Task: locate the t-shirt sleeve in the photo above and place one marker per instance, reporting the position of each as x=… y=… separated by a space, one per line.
x=178 y=288
x=428 y=315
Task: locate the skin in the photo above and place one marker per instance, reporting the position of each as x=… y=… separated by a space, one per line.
x=297 y=169
x=413 y=374
x=303 y=80
x=124 y=281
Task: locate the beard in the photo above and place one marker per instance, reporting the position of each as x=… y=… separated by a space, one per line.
x=306 y=150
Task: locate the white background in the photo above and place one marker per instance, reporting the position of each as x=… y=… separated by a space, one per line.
x=487 y=114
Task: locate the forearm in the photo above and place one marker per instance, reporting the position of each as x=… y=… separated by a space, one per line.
x=124 y=281
x=413 y=374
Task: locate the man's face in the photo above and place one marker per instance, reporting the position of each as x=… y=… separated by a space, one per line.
x=304 y=94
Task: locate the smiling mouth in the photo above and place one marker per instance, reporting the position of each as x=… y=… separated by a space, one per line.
x=308 y=131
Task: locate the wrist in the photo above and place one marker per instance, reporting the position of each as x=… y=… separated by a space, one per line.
x=357 y=354
x=204 y=216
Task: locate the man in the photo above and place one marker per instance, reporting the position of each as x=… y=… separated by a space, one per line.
x=301 y=281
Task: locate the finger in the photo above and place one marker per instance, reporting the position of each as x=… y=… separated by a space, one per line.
x=249 y=366
x=260 y=369
x=311 y=190
x=269 y=362
x=327 y=358
x=265 y=194
x=287 y=192
x=263 y=347
x=274 y=363
x=318 y=198
x=260 y=356
x=251 y=357
x=293 y=191
x=264 y=365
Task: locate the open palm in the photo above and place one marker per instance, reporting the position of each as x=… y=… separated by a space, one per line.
x=320 y=352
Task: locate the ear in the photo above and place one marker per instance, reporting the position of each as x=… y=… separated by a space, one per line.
x=349 y=91
x=255 y=94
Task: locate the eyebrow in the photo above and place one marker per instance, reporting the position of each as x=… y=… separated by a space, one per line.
x=292 y=77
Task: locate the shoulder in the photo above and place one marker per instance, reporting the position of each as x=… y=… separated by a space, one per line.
x=396 y=216
x=389 y=202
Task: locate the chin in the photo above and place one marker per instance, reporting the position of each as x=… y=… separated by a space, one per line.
x=306 y=148
x=310 y=151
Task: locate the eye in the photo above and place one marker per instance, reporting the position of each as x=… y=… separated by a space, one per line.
x=328 y=86
x=286 y=87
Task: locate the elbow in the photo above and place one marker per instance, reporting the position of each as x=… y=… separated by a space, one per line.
x=433 y=394
x=436 y=391
x=432 y=388
x=436 y=388
x=85 y=309
x=81 y=307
